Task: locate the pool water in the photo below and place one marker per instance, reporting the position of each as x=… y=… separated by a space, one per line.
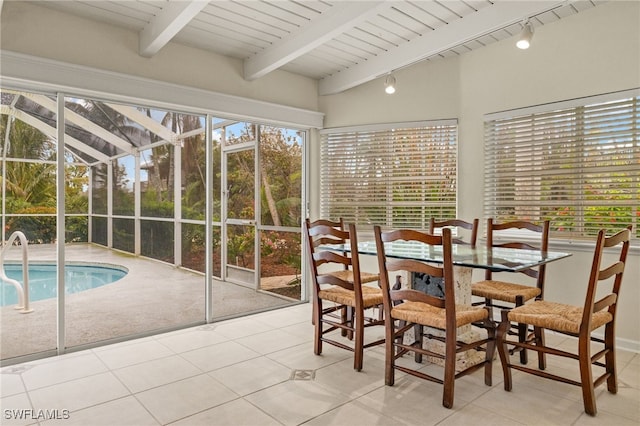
x=42 y=280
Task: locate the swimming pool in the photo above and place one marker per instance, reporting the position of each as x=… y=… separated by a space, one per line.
x=42 y=279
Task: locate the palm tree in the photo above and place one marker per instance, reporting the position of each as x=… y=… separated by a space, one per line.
x=28 y=183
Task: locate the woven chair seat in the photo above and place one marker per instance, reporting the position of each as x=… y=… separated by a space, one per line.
x=370 y=296
x=556 y=316
x=504 y=291
x=422 y=313
x=365 y=277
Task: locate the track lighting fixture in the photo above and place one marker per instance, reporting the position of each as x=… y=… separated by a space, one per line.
x=524 y=40
x=390 y=84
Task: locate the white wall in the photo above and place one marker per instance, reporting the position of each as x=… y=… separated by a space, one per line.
x=428 y=90
x=593 y=52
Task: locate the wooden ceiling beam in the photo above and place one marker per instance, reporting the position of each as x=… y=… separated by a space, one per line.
x=340 y=18
x=160 y=30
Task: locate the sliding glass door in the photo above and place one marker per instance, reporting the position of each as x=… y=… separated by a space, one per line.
x=159 y=214
x=239 y=214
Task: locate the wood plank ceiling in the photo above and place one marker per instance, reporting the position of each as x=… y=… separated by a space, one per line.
x=340 y=43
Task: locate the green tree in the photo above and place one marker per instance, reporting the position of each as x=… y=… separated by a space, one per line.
x=281 y=177
x=28 y=184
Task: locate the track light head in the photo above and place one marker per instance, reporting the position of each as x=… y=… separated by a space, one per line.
x=524 y=40
x=390 y=84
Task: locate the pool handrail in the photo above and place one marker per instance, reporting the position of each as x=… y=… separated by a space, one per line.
x=23 y=290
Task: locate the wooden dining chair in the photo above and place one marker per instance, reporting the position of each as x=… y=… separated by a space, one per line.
x=434 y=285
x=441 y=313
x=365 y=276
x=505 y=295
x=599 y=310
x=457 y=223
x=339 y=288
x=338 y=224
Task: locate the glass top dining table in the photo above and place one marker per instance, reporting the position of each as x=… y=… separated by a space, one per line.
x=496 y=259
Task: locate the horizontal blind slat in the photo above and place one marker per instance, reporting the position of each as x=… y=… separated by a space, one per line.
x=577 y=166
x=393 y=176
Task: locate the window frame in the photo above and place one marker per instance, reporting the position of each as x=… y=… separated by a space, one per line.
x=597 y=136
x=387 y=164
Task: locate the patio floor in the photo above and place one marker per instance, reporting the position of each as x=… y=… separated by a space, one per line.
x=152 y=296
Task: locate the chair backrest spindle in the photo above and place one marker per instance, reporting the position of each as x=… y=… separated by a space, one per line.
x=457 y=223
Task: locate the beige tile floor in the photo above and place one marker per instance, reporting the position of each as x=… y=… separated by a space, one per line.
x=241 y=372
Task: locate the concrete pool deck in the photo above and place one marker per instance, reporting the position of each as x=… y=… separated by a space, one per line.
x=153 y=296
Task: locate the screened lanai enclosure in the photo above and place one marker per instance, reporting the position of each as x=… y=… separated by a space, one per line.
x=161 y=219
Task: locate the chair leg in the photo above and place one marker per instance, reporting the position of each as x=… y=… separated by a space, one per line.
x=317 y=321
x=344 y=318
x=350 y=319
x=491 y=350
x=418 y=331
x=390 y=349
x=489 y=304
x=449 y=368
x=522 y=337
x=586 y=375
x=523 y=330
x=610 y=358
x=399 y=338
x=539 y=341
x=503 y=351
x=358 y=325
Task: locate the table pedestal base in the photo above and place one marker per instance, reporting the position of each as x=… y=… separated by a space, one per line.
x=465 y=359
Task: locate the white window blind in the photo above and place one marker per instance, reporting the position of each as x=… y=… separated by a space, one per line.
x=575 y=163
x=393 y=175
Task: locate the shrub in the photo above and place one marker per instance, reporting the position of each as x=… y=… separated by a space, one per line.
x=37 y=229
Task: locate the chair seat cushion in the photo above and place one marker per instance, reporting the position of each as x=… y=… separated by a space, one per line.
x=425 y=314
x=504 y=291
x=556 y=316
x=370 y=296
x=365 y=277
